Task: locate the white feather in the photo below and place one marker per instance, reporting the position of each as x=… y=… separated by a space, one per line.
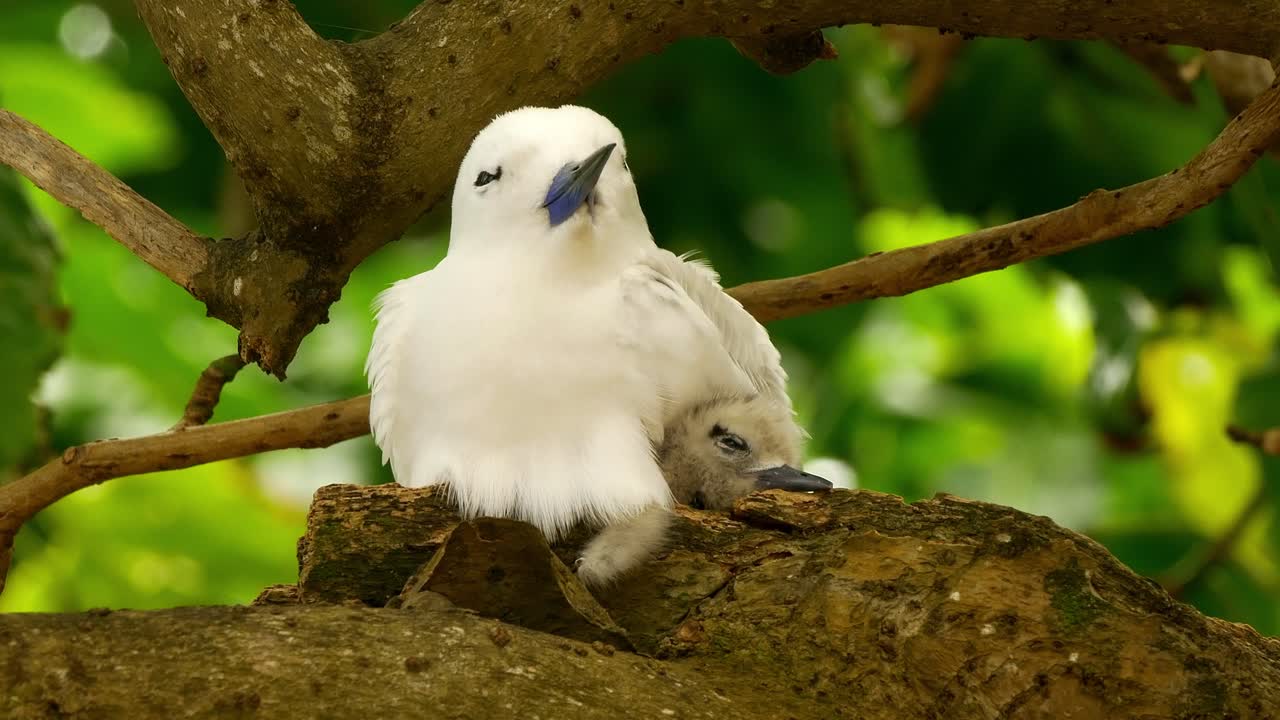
x=741 y=335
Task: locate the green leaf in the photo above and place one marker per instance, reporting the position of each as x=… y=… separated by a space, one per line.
x=31 y=318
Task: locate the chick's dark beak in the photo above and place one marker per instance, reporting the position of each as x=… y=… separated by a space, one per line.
x=573 y=185
x=785 y=477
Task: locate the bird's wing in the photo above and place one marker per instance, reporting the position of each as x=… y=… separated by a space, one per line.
x=677 y=343
x=743 y=337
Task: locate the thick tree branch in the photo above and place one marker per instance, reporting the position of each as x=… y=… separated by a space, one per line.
x=335 y=662
x=149 y=232
x=1099 y=216
x=844 y=604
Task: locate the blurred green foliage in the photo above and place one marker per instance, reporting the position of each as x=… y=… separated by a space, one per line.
x=1092 y=387
x=29 y=319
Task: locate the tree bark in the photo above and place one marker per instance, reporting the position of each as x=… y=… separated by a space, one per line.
x=849 y=604
x=334 y=662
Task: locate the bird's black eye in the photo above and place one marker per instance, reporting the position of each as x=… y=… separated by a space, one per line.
x=625 y=166
x=729 y=442
x=485 y=177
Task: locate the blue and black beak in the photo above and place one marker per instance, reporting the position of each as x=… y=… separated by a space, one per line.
x=574 y=184
x=785 y=477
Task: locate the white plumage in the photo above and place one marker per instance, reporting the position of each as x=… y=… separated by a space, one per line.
x=741 y=335
x=535 y=368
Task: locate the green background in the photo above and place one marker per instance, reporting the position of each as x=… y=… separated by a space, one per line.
x=1093 y=388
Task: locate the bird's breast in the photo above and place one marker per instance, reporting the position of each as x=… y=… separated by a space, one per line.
x=518 y=364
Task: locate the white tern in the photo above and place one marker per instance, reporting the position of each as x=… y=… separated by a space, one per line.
x=534 y=370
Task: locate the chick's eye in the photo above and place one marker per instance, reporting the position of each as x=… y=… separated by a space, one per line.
x=485 y=177
x=732 y=443
x=625 y=166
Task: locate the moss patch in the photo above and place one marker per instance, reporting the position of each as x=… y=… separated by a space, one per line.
x=1072 y=597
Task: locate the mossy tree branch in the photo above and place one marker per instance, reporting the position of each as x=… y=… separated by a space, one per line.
x=847 y=604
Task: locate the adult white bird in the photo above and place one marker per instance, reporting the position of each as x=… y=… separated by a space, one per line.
x=534 y=369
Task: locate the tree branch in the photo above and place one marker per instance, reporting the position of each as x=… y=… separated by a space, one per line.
x=852 y=604
x=1100 y=215
x=336 y=662
x=1221 y=548
x=84 y=465
x=1238 y=78
x=72 y=179
x=843 y=604
x=208 y=390
x=1267 y=441
x=932 y=55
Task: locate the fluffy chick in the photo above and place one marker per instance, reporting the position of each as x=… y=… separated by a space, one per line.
x=730 y=447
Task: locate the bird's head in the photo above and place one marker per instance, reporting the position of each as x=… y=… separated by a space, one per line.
x=546 y=172
x=731 y=447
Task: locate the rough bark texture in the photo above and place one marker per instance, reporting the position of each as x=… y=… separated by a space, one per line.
x=342 y=146
x=850 y=604
x=341 y=663
x=943 y=608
